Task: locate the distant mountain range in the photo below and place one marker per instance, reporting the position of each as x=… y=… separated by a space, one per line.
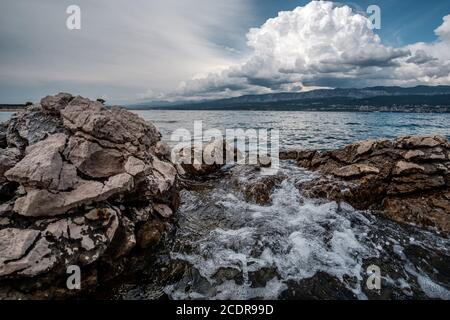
x=12 y=107
x=391 y=99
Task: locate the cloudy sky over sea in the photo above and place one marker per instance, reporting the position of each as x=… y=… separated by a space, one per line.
x=140 y=50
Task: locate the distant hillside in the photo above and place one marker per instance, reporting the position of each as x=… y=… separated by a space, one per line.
x=398 y=99
x=7 y=107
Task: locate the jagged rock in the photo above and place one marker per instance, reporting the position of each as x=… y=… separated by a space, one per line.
x=355 y=170
x=31 y=126
x=411 y=154
x=37 y=261
x=403 y=167
x=23 y=252
x=14 y=243
x=79 y=183
x=163 y=178
x=114 y=126
x=61 y=241
x=40 y=202
x=55 y=104
x=204 y=159
x=408 y=179
x=43 y=166
x=364 y=147
x=94 y=160
x=135 y=167
x=163 y=210
x=419 y=142
x=8 y=159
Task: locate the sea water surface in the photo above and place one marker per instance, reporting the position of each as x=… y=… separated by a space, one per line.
x=294 y=247
x=309 y=130
x=4 y=116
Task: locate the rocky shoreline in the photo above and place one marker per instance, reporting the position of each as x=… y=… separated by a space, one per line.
x=406 y=180
x=80 y=185
x=94 y=187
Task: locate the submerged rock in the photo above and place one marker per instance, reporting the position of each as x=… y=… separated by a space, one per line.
x=407 y=180
x=76 y=173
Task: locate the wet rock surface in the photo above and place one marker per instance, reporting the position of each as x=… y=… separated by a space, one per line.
x=81 y=185
x=406 y=180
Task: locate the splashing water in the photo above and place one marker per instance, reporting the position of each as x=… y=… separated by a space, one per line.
x=292 y=239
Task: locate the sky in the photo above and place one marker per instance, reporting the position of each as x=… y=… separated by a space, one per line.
x=134 y=51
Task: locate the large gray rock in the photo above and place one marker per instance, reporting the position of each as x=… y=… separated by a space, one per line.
x=92 y=159
x=8 y=159
x=14 y=243
x=54 y=104
x=43 y=166
x=207 y=158
x=42 y=203
x=113 y=126
x=31 y=126
x=76 y=174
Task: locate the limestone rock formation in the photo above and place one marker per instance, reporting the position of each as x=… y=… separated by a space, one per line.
x=407 y=180
x=81 y=184
x=204 y=159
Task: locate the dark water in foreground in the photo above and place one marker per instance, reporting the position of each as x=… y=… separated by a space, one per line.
x=294 y=247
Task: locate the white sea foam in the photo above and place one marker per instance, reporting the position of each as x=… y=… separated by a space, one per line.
x=297 y=235
x=432 y=289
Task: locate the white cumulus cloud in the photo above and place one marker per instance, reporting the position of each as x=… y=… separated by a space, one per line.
x=323 y=44
x=430 y=62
